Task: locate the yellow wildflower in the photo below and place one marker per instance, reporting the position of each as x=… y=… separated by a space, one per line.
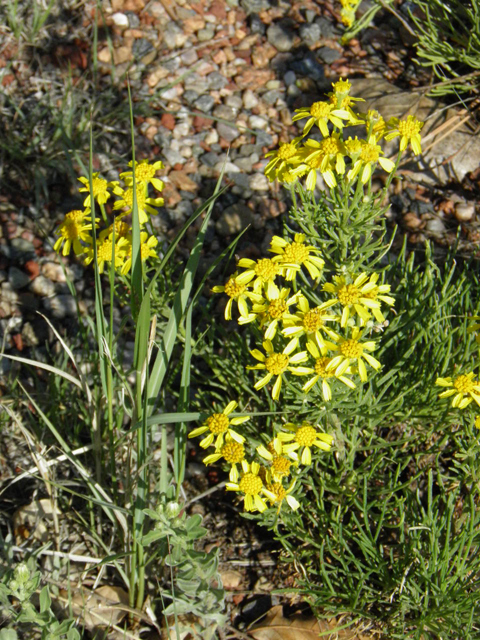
x=144 y=173
x=219 y=426
x=263 y=273
x=370 y=154
x=147 y=244
x=75 y=227
x=271 y=310
x=277 y=364
x=232 y=452
x=251 y=485
x=409 y=132
x=325 y=156
x=352 y=351
x=282 y=494
x=321 y=113
x=298 y=254
x=303 y=437
x=104 y=252
x=239 y=293
x=359 y=296
x=310 y=322
x=322 y=372
x=144 y=204
x=100 y=189
x=463 y=388
x=283 y=159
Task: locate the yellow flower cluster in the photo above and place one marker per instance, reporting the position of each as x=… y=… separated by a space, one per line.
x=348 y=10
x=336 y=156
x=267 y=483
x=300 y=338
x=115 y=240
x=464 y=388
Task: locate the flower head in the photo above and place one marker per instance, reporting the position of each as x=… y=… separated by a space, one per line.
x=320 y=113
x=144 y=174
x=409 y=132
x=232 y=452
x=367 y=159
x=282 y=494
x=325 y=156
x=463 y=388
x=301 y=439
x=104 y=252
x=147 y=250
x=271 y=310
x=352 y=351
x=252 y=487
x=297 y=253
x=277 y=364
x=144 y=204
x=238 y=293
x=218 y=424
x=72 y=230
x=285 y=158
x=360 y=296
x=263 y=273
x=323 y=373
x=100 y=189
x=311 y=322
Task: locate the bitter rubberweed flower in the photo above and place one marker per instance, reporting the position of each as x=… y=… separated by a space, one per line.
x=122 y=230
x=352 y=352
x=370 y=155
x=376 y=292
x=409 y=132
x=144 y=204
x=325 y=156
x=263 y=273
x=463 y=388
x=283 y=160
x=282 y=494
x=374 y=123
x=280 y=467
x=104 y=252
x=359 y=296
x=277 y=364
x=232 y=452
x=100 y=189
x=270 y=311
x=297 y=253
x=218 y=424
x=144 y=173
x=321 y=113
x=303 y=438
x=322 y=372
x=311 y=322
x=76 y=226
x=147 y=244
x=239 y=293
x=252 y=487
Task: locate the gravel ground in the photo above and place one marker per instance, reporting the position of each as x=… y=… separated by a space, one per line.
x=213 y=82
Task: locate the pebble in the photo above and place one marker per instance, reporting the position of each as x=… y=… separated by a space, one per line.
x=120 y=20
x=42 y=286
x=280 y=37
x=436 y=226
x=258 y=182
x=18 y=278
x=227 y=132
x=234 y=219
x=257 y=122
x=310 y=33
x=204 y=103
x=60 y=306
x=250 y=100
x=465 y=211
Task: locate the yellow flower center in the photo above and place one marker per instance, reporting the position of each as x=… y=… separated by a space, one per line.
x=277 y=363
x=320 y=109
x=233 y=452
x=370 y=152
x=122 y=229
x=266 y=270
x=104 y=251
x=351 y=348
x=321 y=367
x=218 y=423
x=278 y=489
x=250 y=484
x=277 y=308
x=348 y=294
x=330 y=146
x=410 y=127
x=464 y=384
x=70 y=229
x=281 y=465
x=306 y=435
x=313 y=320
x=99 y=186
x=75 y=216
x=233 y=289
x=342 y=86
x=287 y=151
x=353 y=145
x=128 y=198
x=296 y=252
x=144 y=172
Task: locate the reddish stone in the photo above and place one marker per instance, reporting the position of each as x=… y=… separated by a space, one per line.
x=168 y=121
x=18 y=341
x=217 y=8
x=32 y=268
x=200 y=123
x=8 y=79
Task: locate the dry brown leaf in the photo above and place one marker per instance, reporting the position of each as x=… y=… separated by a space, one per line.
x=276 y=627
x=105 y=606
